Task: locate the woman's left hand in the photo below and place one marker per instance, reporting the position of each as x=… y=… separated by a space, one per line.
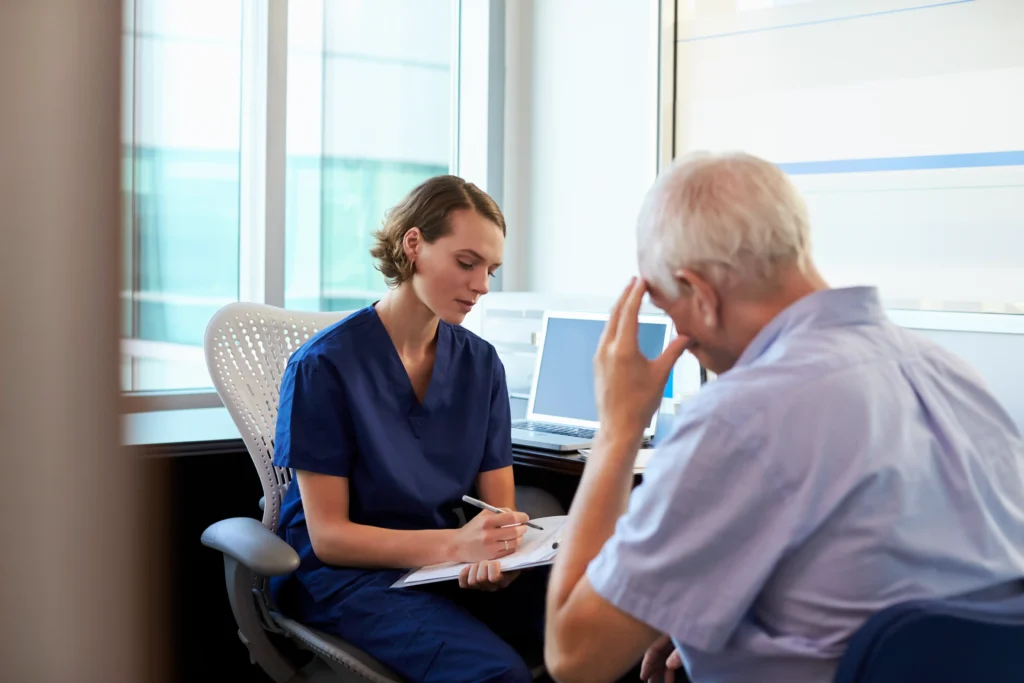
x=485 y=576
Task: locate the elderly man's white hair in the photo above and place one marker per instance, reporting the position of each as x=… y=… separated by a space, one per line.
x=732 y=217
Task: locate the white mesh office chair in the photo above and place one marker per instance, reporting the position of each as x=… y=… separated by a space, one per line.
x=247 y=347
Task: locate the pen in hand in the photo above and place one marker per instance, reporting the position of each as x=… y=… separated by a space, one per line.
x=484 y=506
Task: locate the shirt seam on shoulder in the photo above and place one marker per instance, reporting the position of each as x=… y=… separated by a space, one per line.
x=350 y=322
x=799 y=386
x=350 y=325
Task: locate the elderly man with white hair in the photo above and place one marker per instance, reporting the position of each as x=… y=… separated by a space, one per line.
x=839 y=464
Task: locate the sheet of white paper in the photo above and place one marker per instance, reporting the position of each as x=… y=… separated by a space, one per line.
x=536 y=548
x=642 y=457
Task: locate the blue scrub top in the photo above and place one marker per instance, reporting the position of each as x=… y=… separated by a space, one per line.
x=348 y=409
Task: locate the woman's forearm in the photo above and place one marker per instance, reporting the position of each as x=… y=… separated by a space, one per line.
x=498 y=487
x=348 y=544
x=340 y=542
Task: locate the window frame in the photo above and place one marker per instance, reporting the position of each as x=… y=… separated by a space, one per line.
x=477 y=143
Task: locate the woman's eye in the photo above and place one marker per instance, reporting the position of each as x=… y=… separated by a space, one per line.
x=466 y=266
x=492 y=274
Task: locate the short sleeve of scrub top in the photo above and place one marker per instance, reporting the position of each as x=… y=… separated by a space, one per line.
x=313 y=432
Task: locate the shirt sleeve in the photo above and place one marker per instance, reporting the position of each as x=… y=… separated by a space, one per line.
x=498 y=442
x=313 y=432
x=701 y=536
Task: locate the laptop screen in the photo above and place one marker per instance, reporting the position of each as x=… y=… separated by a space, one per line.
x=565 y=379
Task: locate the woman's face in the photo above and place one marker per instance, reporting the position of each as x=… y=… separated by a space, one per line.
x=455 y=271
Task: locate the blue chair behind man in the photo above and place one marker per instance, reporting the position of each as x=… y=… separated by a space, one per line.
x=939 y=641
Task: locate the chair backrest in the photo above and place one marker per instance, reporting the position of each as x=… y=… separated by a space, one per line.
x=247 y=348
x=939 y=641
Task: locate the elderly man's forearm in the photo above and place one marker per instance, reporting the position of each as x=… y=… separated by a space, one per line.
x=599 y=501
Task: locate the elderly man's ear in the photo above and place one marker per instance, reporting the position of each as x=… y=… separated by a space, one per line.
x=704 y=294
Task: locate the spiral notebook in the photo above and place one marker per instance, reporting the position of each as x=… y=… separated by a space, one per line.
x=537 y=548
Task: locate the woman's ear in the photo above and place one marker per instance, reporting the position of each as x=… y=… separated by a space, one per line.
x=411 y=243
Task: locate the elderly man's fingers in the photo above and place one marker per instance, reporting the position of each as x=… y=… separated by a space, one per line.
x=611 y=329
x=654 y=658
x=628 y=325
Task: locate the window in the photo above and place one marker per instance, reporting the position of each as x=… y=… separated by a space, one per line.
x=181 y=183
x=899 y=122
x=370 y=109
x=369 y=117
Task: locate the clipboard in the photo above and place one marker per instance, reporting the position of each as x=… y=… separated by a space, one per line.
x=538 y=548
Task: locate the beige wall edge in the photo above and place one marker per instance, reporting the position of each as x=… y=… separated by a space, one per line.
x=73 y=571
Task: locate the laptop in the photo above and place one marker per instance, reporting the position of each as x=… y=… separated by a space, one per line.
x=562 y=412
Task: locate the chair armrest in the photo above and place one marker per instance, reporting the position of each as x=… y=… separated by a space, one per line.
x=254 y=545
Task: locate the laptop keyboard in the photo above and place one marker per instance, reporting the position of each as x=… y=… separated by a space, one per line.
x=564 y=430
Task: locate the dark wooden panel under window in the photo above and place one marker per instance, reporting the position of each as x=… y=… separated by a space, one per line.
x=209 y=476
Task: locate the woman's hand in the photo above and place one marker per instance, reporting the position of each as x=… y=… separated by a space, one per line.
x=661 y=661
x=485 y=576
x=489 y=536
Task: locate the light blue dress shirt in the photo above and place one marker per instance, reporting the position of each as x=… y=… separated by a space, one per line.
x=843 y=465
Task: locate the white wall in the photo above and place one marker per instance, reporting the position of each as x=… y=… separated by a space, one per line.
x=581 y=140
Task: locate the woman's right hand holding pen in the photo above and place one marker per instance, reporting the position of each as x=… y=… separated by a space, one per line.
x=489 y=536
x=486 y=538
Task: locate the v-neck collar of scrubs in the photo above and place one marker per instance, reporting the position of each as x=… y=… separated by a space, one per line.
x=442 y=355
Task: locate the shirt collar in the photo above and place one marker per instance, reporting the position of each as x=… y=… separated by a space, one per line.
x=825 y=308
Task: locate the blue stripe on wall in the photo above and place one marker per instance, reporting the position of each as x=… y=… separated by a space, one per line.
x=823 y=21
x=975 y=160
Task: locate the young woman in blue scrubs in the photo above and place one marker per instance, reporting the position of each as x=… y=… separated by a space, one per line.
x=388 y=418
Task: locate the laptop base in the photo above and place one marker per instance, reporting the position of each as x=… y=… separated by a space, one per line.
x=547 y=441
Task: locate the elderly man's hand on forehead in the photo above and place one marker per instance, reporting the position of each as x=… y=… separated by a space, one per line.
x=628 y=386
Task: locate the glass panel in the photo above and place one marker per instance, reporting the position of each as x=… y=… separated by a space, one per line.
x=181 y=183
x=369 y=117
x=907 y=146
